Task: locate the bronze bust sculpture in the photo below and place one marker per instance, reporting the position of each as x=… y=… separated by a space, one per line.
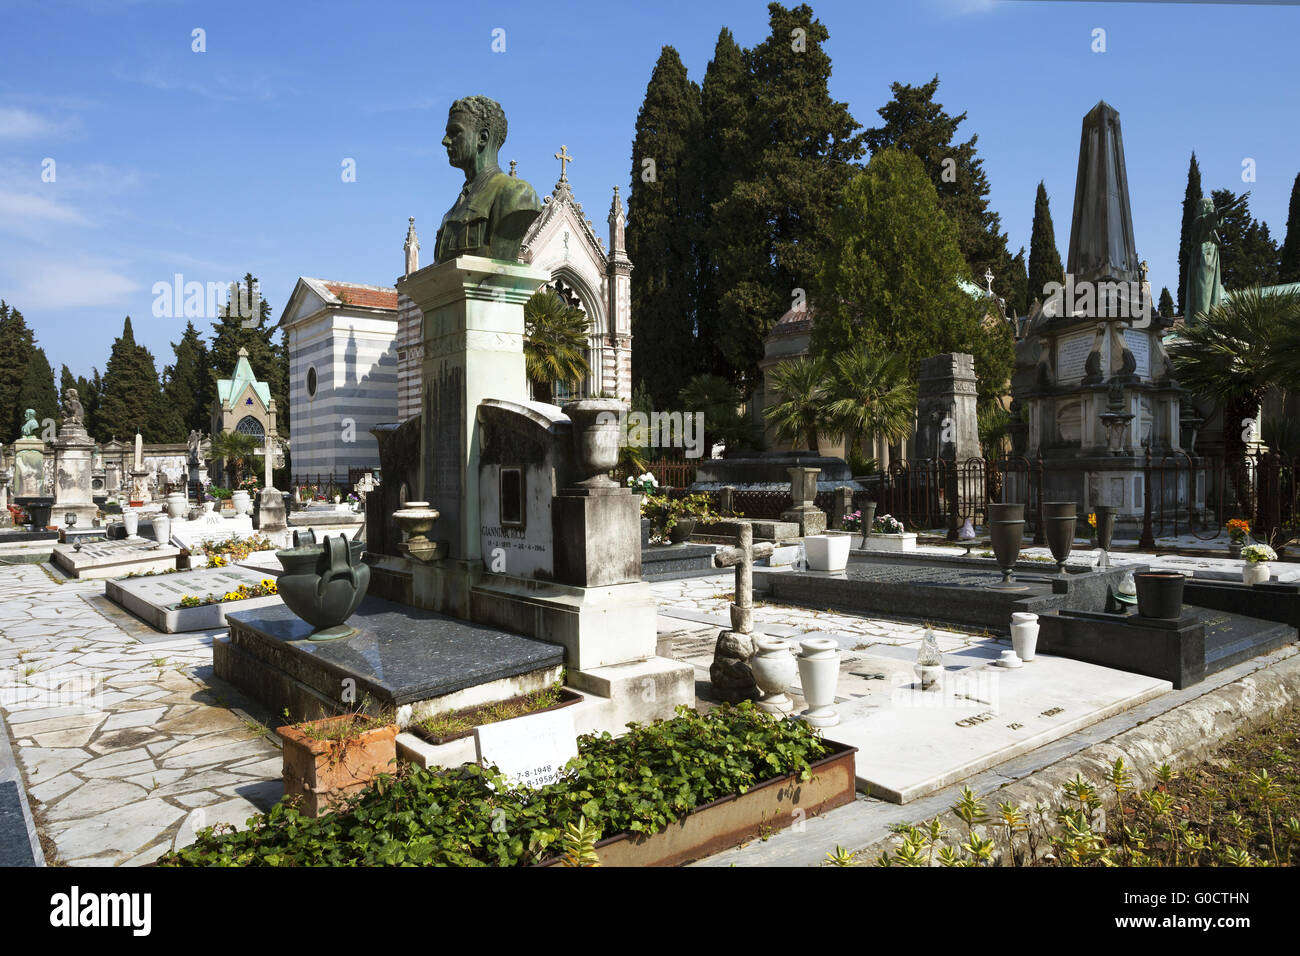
x=494 y=209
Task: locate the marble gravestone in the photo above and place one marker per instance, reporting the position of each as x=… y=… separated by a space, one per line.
x=156 y=599
x=210 y=526
x=73 y=467
x=110 y=559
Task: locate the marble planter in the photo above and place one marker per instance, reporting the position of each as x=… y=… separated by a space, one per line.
x=1024 y=634
x=131 y=522
x=774 y=667
x=827 y=552
x=242 y=502
x=1256 y=572
x=819 y=673
x=597 y=431
x=176 y=505
x=162 y=528
x=889 y=542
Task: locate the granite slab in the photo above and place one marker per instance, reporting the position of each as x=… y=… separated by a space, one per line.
x=664 y=562
x=400 y=656
x=156 y=599
x=210 y=527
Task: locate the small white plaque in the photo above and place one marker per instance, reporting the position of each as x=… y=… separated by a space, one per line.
x=530 y=750
x=1071 y=355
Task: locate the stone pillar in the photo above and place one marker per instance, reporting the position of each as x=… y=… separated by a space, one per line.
x=948 y=431
x=473 y=349
x=29 y=467
x=803 y=510
x=73 y=450
x=727 y=500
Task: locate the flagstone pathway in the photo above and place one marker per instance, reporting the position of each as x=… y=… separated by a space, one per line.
x=125 y=755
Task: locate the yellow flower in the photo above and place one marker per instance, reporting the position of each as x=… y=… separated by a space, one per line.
x=1092 y=519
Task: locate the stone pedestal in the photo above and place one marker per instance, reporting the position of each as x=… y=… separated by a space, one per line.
x=803 y=491
x=947 y=431
x=140 y=486
x=473 y=349
x=271 y=515
x=73 y=450
x=596 y=534
x=29 y=468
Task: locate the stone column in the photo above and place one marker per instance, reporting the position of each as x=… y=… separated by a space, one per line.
x=473 y=349
x=843 y=498
x=803 y=510
x=73 y=450
x=948 y=430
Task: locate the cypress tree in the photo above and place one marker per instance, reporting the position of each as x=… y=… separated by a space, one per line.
x=185 y=385
x=660 y=232
x=724 y=96
x=131 y=398
x=1018 y=288
x=1166 y=304
x=771 y=228
x=1190 y=199
x=1044 y=258
x=1289 y=266
x=881 y=286
x=1248 y=256
x=16 y=343
x=37 y=389
x=915 y=123
x=269 y=359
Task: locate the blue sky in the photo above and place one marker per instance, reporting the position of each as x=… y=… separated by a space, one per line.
x=216 y=163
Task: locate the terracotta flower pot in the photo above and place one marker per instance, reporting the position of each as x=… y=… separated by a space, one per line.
x=324 y=773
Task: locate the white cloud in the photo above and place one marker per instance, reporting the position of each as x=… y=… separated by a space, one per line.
x=54 y=284
x=21 y=124
x=21 y=210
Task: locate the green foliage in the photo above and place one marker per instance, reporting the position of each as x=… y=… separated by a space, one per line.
x=1248 y=255
x=1191 y=198
x=1044 y=257
x=1018 y=296
x=803 y=389
x=555 y=343
x=1166 y=304
x=131 y=399
x=37 y=389
x=237 y=449
x=871 y=395
x=16 y=344
x=914 y=123
x=268 y=359
x=578 y=844
x=639 y=783
x=1289 y=258
x=660 y=240
x=725 y=422
x=888 y=282
x=801 y=146
x=189 y=388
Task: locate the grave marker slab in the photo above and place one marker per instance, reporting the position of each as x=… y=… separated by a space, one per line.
x=530 y=750
x=209 y=527
x=156 y=599
x=111 y=559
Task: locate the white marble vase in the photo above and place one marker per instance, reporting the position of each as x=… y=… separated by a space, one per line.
x=773 y=666
x=827 y=552
x=1024 y=634
x=819 y=673
x=131 y=522
x=1255 y=572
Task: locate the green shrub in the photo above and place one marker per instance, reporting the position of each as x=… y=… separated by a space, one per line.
x=640 y=782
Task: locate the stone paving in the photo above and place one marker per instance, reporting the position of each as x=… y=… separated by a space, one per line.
x=125 y=754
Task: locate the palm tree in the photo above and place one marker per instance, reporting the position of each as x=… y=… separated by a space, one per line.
x=1233 y=355
x=871 y=396
x=555 y=343
x=720 y=400
x=237 y=449
x=804 y=385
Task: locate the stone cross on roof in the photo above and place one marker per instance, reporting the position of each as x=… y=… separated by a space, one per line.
x=564 y=158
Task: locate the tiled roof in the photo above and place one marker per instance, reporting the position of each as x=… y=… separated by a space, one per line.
x=366 y=296
x=798 y=319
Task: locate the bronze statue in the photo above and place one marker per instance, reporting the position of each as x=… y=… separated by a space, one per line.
x=1204 y=278
x=494 y=209
x=30 y=425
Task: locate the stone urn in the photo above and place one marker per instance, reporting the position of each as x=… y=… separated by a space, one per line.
x=417 y=520
x=773 y=666
x=1105 y=525
x=324 y=584
x=868 y=519
x=1024 y=634
x=1255 y=572
x=1059 y=520
x=208 y=506
x=597 y=435
x=176 y=505
x=819 y=674
x=162 y=528
x=242 y=501
x=1007 y=532
x=1160 y=594
x=681 y=532
x=131 y=522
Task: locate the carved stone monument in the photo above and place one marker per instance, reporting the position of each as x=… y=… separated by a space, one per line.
x=730 y=674
x=73 y=466
x=947 y=430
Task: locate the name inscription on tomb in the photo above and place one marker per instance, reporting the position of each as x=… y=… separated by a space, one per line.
x=1140 y=345
x=531 y=751
x=1071 y=354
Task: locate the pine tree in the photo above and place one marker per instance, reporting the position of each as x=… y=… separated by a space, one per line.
x=1248 y=256
x=1044 y=258
x=881 y=287
x=185 y=382
x=37 y=390
x=1190 y=200
x=723 y=154
x=269 y=359
x=770 y=231
x=1166 y=304
x=1289 y=267
x=660 y=231
x=915 y=123
x=16 y=344
x=131 y=399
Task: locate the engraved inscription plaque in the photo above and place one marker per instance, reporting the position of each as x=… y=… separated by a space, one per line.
x=1071 y=353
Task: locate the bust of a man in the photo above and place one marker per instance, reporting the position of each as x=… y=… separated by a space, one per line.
x=494 y=209
x=30 y=425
